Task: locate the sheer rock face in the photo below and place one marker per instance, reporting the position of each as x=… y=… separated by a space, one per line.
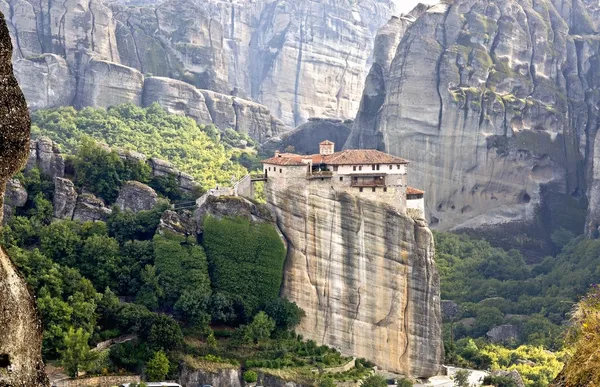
x=21 y=338
x=495 y=104
x=364 y=273
x=297 y=58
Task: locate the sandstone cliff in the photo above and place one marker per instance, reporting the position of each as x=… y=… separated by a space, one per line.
x=365 y=275
x=297 y=58
x=495 y=104
x=21 y=339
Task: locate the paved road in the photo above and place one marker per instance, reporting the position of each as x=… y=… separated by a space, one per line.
x=475 y=379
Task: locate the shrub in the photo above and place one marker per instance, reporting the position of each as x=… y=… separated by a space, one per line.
x=375 y=381
x=157 y=368
x=250 y=376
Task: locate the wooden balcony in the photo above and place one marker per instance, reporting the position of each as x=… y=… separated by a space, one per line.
x=319 y=175
x=367 y=181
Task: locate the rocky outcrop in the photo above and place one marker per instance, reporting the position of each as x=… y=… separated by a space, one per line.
x=163 y=168
x=135 y=196
x=363 y=272
x=105 y=84
x=225 y=376
x=15 y=196
x=297 y=58
x=216 y=206
x=305 y=139
x=365 y=133
x=514 y=375
x=47 y=81
x=495 y=105
x=449 y=309
x=21 y=339
x=177 y=97
x=503 y=333
x=44 y=154
x=182 y=223
x=65 y=198
x=89 y=208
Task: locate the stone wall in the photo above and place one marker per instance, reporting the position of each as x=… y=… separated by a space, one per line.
x=97 y=381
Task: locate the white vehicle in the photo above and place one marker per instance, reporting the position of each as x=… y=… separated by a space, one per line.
x=154 y=384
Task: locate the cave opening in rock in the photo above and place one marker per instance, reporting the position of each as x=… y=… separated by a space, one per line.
x=4 y=360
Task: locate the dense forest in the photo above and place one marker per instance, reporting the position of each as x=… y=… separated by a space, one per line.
x=209 y=155
x=215 y=299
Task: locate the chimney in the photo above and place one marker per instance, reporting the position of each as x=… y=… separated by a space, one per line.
x=277 y=153
x=326 y=148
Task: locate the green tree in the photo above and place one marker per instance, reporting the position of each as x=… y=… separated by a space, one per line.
x=211 y=341
x=375 y=381
x=287 y=315
x=461 y=378
x=180 y=266
x=60 y=242
x=250 y=376
x=164 y=333
x=157 y=368
x=98 y=170
x=192 y=308
x=76 y=355
x=261 y=327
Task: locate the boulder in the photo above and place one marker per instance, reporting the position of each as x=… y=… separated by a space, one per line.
x=449 y=309
x=503 y=333
x=65 y=198
x=89 y=208
x=180 y=223
x=514 y=375
x=15 y=196
x=136 y=196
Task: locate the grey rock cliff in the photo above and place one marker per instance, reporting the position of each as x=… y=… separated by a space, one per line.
x=495 y=105
x=297 y=58
x=364 y=273
x=21 y=338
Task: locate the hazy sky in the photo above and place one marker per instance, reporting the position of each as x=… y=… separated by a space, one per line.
x=407 y=5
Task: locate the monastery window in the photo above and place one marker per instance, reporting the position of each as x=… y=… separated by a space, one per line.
x=280 y=170
x=378 y=167
x=360 y=189
x=398 y=166
x=373 y=166
x=391 y=166
x=335 y=168
x=341 y=178
x=354 y=168
x=384 y=189
x=374 y=189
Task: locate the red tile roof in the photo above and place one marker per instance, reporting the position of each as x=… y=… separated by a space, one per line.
x=326 y=142
x=347 y=157
x=414 y=191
